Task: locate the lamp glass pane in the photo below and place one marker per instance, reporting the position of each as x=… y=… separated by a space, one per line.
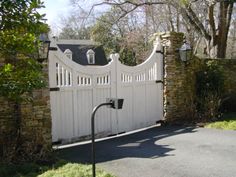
x=183 y=55
x=43 y=50
x=185 y=52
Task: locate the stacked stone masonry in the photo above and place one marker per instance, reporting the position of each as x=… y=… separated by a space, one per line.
x=35 y=127
x=180 y=80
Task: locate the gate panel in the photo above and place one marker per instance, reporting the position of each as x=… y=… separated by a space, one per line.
x=84 y=87
x=84 y=108
x=66 y=111
x=125 y=120
x=103 y=115
x=139 y=106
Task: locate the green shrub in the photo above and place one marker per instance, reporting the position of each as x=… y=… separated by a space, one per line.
x=209 y=88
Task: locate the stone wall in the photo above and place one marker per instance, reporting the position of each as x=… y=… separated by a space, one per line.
x=180 y=80
x=178 y=86
x=7 y=130
x=229 y=71
x=35 y=131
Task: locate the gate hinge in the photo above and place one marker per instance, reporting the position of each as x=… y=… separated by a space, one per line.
x=53 y=89
x=159 y=51
x=159 y=81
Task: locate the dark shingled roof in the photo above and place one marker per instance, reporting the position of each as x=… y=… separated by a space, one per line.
x=79 y=53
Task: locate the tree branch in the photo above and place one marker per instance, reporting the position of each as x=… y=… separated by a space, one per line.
x=212 y=22
x=197 y=22
x=120 y=4
x=229 y=16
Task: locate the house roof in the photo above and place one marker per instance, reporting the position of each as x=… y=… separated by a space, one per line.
x=79 y=49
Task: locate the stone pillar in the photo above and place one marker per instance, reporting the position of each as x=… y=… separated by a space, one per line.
x=35 y=142
x=178 y=89
x=36 y=122
x=7 y=131
x=7 y=127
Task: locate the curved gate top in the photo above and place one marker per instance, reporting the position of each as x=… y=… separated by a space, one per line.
x=76 y=89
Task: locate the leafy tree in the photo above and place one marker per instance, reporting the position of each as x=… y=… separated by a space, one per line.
x=103 y=32
x=123 y=36
x=20 y=26
x=70 y=32
x=20 y=73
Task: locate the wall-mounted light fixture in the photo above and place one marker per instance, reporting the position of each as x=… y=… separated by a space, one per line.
x=185 y=52
x=44 y=47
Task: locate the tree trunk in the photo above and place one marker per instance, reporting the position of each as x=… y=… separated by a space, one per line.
x=226 y=9
x=178 y=21
x=171 y=24
x=217 y=37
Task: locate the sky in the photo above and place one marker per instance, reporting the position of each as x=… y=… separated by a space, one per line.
x=54 y=9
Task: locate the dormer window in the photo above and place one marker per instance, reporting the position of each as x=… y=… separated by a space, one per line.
x=68 y=53
x=90 y=56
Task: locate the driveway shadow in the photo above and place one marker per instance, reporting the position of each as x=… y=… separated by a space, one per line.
x=143 y=144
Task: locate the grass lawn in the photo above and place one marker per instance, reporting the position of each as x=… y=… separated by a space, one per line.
x=60 y=169
x=227 y=122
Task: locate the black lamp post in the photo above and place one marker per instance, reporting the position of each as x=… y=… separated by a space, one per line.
x=185 y=52
x=111 y=103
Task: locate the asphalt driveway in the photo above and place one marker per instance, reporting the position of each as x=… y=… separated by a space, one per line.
x=164 y=152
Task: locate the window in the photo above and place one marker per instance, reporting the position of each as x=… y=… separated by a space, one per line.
x=90 y=56
x=68 y=53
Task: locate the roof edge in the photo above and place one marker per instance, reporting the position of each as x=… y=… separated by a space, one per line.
x=75 y=42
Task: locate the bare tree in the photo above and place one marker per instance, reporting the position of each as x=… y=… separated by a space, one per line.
x=217 y=14
x=76 y=25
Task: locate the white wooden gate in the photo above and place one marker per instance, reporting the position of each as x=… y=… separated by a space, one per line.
x=77 y=89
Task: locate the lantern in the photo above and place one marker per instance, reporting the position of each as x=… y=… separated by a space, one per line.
x=185 y=52
x=43 y=48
